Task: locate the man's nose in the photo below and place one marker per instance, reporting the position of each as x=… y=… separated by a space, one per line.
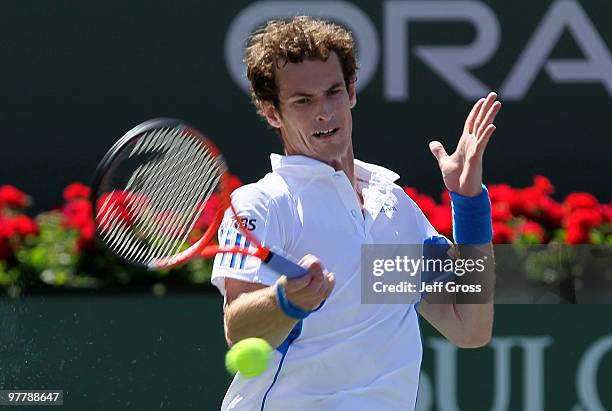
x=325 y=112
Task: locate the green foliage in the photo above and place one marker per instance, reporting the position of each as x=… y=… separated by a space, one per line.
x=55 y=258
x=51 y=256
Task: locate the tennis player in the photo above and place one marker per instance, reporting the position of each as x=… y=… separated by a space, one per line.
x=319 y=204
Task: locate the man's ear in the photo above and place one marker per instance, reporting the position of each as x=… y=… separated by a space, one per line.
x=352 y=93
x=271 y=114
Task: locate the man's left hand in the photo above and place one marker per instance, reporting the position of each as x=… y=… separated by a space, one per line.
x=462 y=170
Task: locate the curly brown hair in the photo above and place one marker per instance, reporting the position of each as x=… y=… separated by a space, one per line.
x=281 y=41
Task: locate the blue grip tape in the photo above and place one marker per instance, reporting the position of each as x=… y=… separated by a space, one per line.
x=285 y=266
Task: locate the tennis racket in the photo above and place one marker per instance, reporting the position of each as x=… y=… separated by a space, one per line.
x=151 y=190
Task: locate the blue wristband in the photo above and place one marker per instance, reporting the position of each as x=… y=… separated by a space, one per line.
x=472 y=218
x=288 y=307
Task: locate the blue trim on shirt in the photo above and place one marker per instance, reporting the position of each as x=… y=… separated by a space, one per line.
x=283 y=348
x=243 y=258
x=295 y=333
x=237 y=244
x=416 y=399
x=227 y=243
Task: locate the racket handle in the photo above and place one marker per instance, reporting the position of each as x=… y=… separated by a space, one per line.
x=284 y=266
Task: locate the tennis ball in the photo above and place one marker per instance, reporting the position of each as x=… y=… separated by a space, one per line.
x=249 y=356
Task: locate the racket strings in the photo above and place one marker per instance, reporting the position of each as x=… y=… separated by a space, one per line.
x=206 y=188
x=118 y=236
x=181 y=199
x=164 y=200
x=188 y=204
x=163 y=197
x=126 y=238
x=161 y=232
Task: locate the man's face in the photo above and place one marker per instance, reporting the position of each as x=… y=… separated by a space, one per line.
x=314 y=115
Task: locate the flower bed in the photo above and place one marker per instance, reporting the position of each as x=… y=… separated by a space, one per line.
x=530 y=215
x=57 y=247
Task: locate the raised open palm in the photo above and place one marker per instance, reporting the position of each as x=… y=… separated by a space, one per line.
x=462 y=170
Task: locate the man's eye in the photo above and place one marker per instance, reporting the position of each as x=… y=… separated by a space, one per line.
x=335 y=91
x=301 y=101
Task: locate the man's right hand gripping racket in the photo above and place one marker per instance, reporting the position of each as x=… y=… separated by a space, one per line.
x=151 y=188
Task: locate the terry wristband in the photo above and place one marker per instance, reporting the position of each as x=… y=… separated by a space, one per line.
x=472 y=218
x=288 y=307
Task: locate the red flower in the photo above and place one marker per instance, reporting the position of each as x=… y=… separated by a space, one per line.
x=21 y=225
x=532 y=229
x=119 y=208
x=580 y=200
x=543 y=184
x=551 y=212
x=6 y=228
x=86 y=238
x=514 y=199
x=576 y=234
x=10 y=196
x=76 y=191
x=606 y=211
x=501 y=212
x=234 y=183
x=5 y=249
x=442 y=220
x=502 y=233
x=423 y=201
x=77 y=214
x=527 y=202
x=445 y=197
x=208 y=214
x=585 y=218
x=426 y=204
x=411 y=192
x=501 y=193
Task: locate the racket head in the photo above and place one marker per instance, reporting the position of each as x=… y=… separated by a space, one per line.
x=151 y=190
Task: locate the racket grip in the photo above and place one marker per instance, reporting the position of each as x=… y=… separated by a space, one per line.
x=284 y=266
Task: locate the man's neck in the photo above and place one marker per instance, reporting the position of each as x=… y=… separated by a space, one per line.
x=344 y=163
x=347 y=164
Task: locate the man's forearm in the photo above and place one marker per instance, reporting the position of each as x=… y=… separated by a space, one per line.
x=476 y=312
x=256 y=314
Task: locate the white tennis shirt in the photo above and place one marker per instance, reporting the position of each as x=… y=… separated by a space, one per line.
x=348 y=355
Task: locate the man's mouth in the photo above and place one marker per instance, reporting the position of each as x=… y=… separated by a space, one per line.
x=325 y=133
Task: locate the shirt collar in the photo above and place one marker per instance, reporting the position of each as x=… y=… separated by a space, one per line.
x=297 y=164
x=368 y=172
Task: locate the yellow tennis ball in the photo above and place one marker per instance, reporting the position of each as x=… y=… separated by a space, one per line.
x=249 y=356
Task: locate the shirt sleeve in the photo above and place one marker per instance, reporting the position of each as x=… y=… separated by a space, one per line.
x=259 y=214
